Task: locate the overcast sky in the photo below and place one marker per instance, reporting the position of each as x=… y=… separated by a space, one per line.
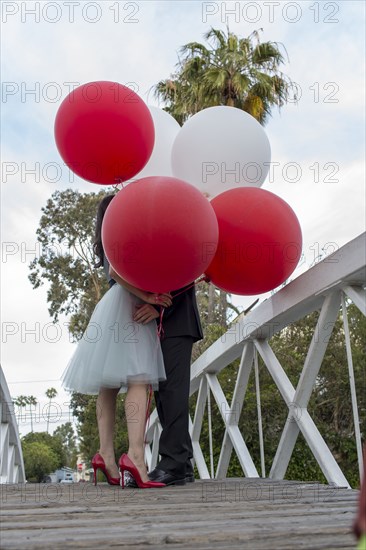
x=48 y=47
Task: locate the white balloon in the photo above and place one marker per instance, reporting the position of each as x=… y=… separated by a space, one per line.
x=166 y=130
x=220 y=148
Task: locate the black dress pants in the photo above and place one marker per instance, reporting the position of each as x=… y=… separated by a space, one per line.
x=172 y=403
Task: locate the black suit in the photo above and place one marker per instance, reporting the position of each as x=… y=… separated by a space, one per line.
x=182 y=327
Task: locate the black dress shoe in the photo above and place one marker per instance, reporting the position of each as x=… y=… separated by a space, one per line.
x=166 y=477
x=189 y=478
x=129 y=481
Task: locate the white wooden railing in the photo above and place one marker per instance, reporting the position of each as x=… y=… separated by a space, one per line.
x=11 y=456
x=323 y=287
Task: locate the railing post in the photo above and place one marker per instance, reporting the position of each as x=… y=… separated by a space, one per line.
x=196 y=429
x=352 y=384
x=259 y=411
x=210 y=432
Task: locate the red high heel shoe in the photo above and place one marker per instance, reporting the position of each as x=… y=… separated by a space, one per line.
x=99 y=464
x=126 y=464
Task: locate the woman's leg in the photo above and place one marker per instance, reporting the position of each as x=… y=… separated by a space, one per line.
x=135 y=408
x=106 y=416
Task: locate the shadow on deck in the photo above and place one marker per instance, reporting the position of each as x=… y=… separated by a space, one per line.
x=255 y=514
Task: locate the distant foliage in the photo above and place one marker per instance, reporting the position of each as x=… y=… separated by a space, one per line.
x=39 y=460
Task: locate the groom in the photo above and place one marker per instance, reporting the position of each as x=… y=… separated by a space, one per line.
x=182 y=327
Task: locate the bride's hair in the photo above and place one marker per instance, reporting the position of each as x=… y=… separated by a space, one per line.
x=97 y=245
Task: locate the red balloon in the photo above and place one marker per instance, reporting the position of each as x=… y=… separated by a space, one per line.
x=159 y=233
x=260 y=241
x=104 y=132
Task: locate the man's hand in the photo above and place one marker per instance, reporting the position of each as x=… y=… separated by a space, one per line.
x=164 y=299
x=145 y=313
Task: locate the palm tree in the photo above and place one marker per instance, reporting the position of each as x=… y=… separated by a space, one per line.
x=50 y=393
x=21 y=402
x=237 y=72
x=32 y=402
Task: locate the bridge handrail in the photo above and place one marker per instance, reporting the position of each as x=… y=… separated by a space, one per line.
x=324 y=286
x=11 y=456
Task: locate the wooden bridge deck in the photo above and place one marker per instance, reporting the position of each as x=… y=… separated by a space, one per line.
x=255 y=514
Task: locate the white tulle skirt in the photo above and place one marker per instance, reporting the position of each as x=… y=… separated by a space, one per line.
x=114 y=350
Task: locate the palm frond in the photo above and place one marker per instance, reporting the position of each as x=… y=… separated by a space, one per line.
x=267 y=54
x=230 y=70
x=218 y=36
x=193 y=48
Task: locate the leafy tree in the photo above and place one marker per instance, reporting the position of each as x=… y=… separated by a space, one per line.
x=39 y=460
x=50 y=393
x=66 y=434
x=212 y=308
x=55 y=444
x=233 y=71
x=66 y=234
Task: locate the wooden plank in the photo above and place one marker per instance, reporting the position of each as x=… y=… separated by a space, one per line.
x=233 y=513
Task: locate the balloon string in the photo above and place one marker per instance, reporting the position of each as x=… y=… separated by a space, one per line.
x=160 y=328
x=119 y=181
x=200 y=280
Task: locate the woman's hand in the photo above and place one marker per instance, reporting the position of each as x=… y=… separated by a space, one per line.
x=164 y=299
x=145 y=313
